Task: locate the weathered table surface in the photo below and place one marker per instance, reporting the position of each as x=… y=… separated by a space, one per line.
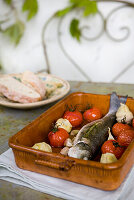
x=12 y=120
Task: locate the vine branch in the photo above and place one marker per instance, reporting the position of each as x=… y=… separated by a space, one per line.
x=48 y=69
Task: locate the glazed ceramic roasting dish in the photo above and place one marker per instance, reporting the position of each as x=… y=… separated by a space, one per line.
x=91 y=173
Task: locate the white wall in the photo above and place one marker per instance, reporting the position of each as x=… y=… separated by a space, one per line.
x=101 y=60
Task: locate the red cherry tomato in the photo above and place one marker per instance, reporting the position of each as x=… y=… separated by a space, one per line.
x=112 y=146
x=74 y=117
x=126 y=137
x=57 y=137
x=92 y=114
x=119 y=127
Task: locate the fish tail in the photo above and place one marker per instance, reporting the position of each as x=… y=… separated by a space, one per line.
x=115 y=102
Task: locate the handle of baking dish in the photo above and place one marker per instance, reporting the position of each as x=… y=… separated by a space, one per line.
x=64 y=166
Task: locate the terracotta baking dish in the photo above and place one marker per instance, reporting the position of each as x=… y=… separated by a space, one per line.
x=91 y=173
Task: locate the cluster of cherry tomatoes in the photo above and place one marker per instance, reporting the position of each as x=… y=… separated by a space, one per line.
x=123 y=134
x=58 y=136
x=76 y=118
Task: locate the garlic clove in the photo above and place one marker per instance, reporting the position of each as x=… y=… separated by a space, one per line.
x=123 y=114
x=68 y=142
x=64 y=151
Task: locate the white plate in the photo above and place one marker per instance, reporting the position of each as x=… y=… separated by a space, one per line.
x=58 y=93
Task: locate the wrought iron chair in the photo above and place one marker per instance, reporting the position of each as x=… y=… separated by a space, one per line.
x=118 y=7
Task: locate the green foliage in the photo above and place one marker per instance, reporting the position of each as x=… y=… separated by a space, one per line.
x=31 y=6
x=63 y=12
x=90 y=7
x=74 y=29
x=15 y=32
x=8 y=1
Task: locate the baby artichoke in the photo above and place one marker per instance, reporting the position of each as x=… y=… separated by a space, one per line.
x=43 y=146
x=63 y=123
x=108 y=158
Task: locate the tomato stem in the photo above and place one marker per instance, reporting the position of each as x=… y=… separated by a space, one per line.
x=55 y=129
x=116 y=144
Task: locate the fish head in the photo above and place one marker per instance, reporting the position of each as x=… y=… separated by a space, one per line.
x=81 y=151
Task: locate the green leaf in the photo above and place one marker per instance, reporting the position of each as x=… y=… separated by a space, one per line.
x=63 y=12
x=15 y=32
x=74 y=29
x=8 y=1
x=31 y=6
x=90 y=7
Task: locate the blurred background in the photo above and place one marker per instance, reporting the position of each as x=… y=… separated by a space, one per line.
x=82 y=41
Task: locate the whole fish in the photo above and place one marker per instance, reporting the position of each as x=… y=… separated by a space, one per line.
x=91 y=136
